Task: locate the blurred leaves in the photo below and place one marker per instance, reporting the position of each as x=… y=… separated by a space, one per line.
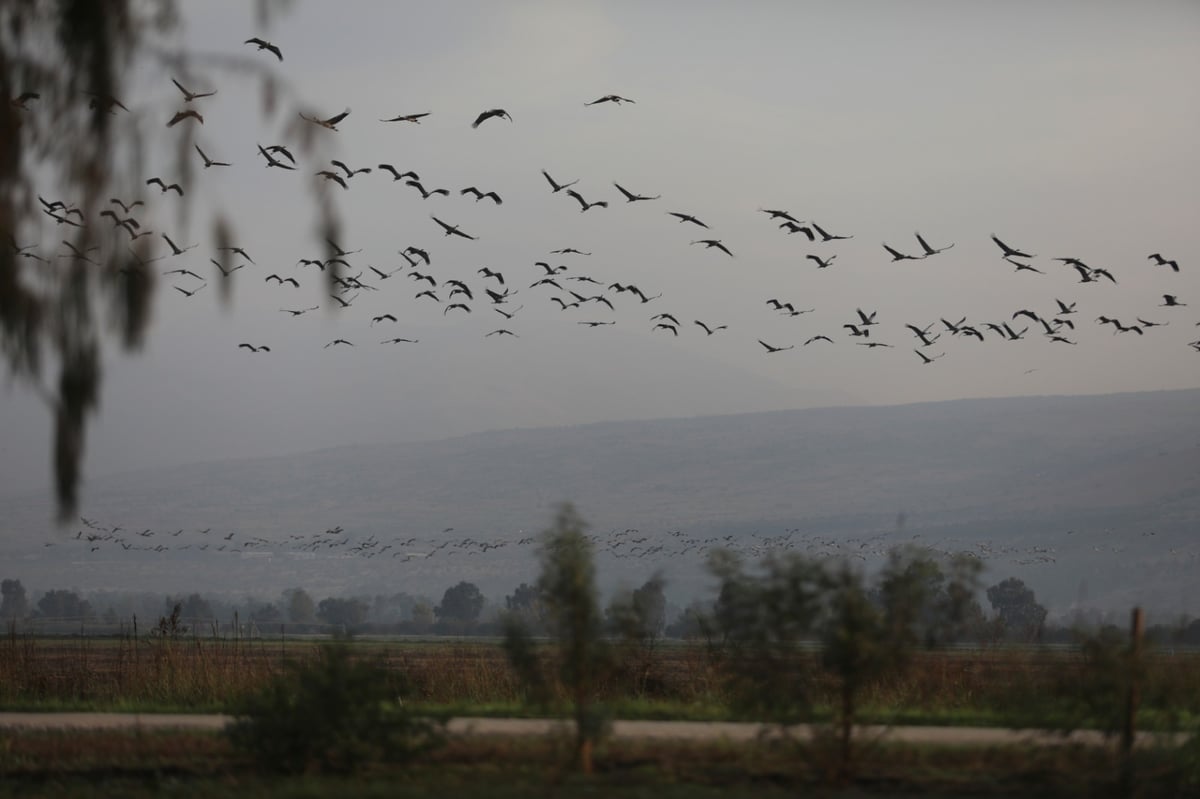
x=70 y=141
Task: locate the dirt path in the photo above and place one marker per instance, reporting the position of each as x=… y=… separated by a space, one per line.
x=646 y=730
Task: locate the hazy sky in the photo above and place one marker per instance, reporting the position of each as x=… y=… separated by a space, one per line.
x=1067 y=129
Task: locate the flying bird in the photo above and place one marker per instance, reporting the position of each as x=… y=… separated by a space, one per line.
x=709 y=330
x=252 y=348
x=776 y=214
x=190 y=113
x=899 y=256
x=792 y=227
x=350 y=172
x=265 y=45
x=479 y=195
x=584 y=204
x=338 y=341
x=124 y=207
x=930 y=250
x=227 y=272
x=1161 y=261
x=828 y=236
x=772 y=349
x=610 y=98
x=175 y=187
x=272 y=160
x=414 y=118
x=821 y=264
x=238 y=251
x=555 y=186
x=687 y=218
x=711 y=243
x=417 y=251
x=189 y=96
x=1171 y=301
x=105 y=102
x=1020 y=267
x=398 y=175
x=176 y=249
x=1009 y=251
x=208 y=161
x=631 y=197
x=334 y=176
x=866 y=319
x=486 y=115
x=330 y=123
x=425 y=195
x=451 y=230
x=187 y=293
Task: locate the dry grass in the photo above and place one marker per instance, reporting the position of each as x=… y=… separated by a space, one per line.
x=199 y=673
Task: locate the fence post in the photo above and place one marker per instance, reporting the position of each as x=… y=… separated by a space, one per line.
x=1137 y=628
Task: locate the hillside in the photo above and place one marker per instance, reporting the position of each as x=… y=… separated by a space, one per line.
x=1106 y=489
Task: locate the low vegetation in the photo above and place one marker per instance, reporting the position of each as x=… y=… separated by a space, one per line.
x=790 y=639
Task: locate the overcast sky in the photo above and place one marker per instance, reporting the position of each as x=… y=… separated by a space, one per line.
x=1067 y=129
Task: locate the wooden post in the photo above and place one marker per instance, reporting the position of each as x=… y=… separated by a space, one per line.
x=1137 y=628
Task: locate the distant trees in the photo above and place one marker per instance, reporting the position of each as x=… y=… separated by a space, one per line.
x=1020 y=615
x=192 y=608
x=64 y=604
x=639 y=618
x=461 y=603
x=13 y=602
x=422 y=614
x=300 y=606
x=267 y=614
x=343 y=612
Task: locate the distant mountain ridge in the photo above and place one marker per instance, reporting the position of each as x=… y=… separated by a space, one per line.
x=991 y=473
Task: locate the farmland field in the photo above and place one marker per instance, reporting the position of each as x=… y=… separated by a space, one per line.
x=1003 y=686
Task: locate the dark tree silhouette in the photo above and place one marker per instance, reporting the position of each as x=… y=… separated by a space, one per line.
x=63 y=604
x=1017 y=608
x=346 y=612
x=462 y=603
x=15 y=604
x=300 y=606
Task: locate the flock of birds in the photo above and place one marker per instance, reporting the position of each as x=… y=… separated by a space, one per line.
x=630 y=543
x=556 y=278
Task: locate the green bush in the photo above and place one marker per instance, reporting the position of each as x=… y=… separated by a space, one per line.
x=332 y=715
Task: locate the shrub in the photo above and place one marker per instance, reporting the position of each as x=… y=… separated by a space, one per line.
x=332 y=714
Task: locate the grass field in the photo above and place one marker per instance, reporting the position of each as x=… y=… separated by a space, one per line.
x=999 y=686
x=1016 y=687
